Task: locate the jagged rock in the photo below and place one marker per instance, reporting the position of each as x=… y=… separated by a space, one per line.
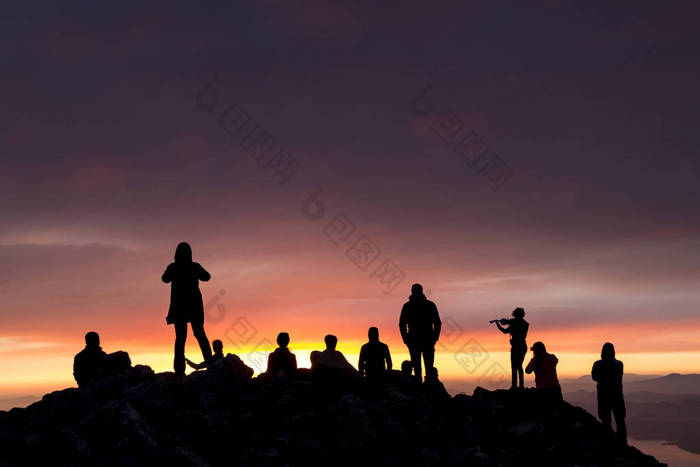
x=222 y=416
x=526 y=429
x=113 y=431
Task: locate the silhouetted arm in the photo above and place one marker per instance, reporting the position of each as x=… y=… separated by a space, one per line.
x=345 y=361
x=168 y=274
x=622 y=371
x=403 y=325
x=502 y=329
x=294 y=362
x=437 y=325
x=361 y=363
x=202 y=273
x=530 y=366
x=388 y=359
x=196 y=366
x=77 y=374
x=595 y=372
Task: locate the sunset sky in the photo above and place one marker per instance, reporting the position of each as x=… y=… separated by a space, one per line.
x=113 y=149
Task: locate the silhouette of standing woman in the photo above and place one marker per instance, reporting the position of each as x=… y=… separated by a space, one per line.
x=517 y=328
x=186 y=303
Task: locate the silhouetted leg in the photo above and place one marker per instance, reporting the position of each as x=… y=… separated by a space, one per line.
x=514 y=367
x=429 y=359
x=522 y=376
x=198 y=331
x=180 y=339
x=618 y=410
x=517 y=356
x=415 y=362
x=604 y=412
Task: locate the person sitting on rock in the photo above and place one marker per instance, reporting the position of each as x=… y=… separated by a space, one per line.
x=230 y=364
x=545 y=367
x=375 y=359
x=93 y=363
x=218 y=348
x=331 y=359
x=403 y=377
x=607 y=373
x=282 y=361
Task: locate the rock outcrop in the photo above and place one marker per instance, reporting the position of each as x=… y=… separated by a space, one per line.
x=225 y=417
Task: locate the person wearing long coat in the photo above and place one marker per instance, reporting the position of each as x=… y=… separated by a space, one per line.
x=186 y=304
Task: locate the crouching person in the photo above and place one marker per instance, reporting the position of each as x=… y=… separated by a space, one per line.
x=544 y=365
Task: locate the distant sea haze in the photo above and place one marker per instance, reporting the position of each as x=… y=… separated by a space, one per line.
x=660 y=409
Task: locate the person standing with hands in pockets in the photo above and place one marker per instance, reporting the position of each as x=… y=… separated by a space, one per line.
x=420 y=327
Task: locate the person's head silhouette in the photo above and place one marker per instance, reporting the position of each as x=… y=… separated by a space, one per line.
x=373 y=334
x=406 y=367
x=608 y=351
x=538 y=349
x=416 y=289
x=92 y=340
x=183 y=253
x=283 y=339
x=519 y=313
x=331 y=341
x=218 y=347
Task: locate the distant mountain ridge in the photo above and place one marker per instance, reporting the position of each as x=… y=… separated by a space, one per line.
x=673 y=383
x=21 y=401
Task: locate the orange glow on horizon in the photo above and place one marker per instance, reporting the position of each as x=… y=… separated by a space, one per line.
x=34 y=365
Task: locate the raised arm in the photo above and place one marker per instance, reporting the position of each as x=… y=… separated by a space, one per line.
x=501 y=328
x=530 y=366
x=168 y=274
x=202 y=273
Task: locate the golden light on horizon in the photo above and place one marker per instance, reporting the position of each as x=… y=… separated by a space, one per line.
x=31 y=371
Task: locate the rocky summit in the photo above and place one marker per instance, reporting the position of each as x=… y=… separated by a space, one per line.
x=224 y=416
